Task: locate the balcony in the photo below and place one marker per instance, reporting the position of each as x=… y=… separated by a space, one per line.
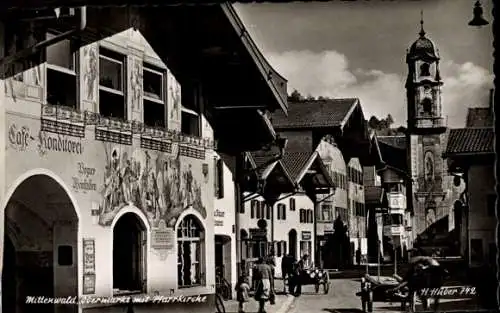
x=396 y=200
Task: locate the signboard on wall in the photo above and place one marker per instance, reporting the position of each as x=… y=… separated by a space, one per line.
x=306 y=235
x=162 y=237
x=88 y=266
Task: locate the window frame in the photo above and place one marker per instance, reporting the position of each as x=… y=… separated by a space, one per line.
x=73 y=52
x=122 y=74
x=200 y=243
x=146 y=67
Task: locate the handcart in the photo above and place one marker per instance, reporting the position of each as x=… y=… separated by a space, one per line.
x=316 y=277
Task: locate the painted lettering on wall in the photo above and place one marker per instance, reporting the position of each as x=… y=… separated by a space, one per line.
x=53 y=142
x=20 y=137
x=218 y=217
x=83 y=181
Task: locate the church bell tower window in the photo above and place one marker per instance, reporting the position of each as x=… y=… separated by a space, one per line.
x=424 y=69
x=427 y=106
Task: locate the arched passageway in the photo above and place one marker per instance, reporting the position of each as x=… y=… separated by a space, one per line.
x=40 y=255
x=129 y=254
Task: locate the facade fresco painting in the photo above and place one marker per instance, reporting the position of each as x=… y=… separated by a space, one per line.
x=157 y=183
x=136 y=83
x=90 y=71
x=174 y=103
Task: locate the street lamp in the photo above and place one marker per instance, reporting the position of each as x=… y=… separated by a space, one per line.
x=478 y=19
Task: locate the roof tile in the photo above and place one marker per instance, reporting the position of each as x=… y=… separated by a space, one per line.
x=313 y=113
x=470 y=140
x=295 y=162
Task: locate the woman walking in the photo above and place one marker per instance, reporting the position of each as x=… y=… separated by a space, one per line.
x=264 y=280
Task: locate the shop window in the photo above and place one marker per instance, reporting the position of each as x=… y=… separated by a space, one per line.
x=111 y=86
x=154 y=97
x=491 y=204
x=190 y=252
x=65 y=255
x=219 y=178
x=191 y=110
x=61 y=73
x=305 y=248
x=284 y=247
x=292 y=204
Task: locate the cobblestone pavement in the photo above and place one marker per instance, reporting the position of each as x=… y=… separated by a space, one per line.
x=342 y=299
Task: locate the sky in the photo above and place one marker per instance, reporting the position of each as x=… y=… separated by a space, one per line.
x=357 y=49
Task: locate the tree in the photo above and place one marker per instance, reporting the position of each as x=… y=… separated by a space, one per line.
x=310 y=98
x=295 y=96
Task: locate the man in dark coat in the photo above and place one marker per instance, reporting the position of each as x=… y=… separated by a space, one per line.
x=287 y=264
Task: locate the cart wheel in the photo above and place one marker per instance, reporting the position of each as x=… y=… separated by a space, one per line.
x=316 y=287
x=326 y=284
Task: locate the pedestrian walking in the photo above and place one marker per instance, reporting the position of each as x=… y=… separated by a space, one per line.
x=242 y=290
x=287 y=267
x=302 y=265
x=272 y=265
x=264 y=281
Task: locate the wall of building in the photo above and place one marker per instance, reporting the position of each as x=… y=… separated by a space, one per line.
x=482 y=221
x=105 y=180
x=224 y=221
x=357 y=227
x=282 y=226
x=298 y=140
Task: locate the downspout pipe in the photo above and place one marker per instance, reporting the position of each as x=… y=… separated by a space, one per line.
x=46 y=43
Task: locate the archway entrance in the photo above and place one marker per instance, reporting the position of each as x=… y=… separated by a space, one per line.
x=129 y=255
x=40 y=247
x=292 y=242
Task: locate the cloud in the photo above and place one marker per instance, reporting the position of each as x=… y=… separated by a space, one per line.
x=329 y=74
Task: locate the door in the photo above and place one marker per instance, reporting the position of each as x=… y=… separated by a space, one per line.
x=292 y=241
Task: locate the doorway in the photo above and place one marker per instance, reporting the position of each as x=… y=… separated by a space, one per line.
x=292 y=242
x=129 y=255
x=39 y=220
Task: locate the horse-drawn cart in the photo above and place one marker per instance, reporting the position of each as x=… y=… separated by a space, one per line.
x=316 y=277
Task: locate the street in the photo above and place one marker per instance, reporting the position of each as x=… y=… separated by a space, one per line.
x=342 y=299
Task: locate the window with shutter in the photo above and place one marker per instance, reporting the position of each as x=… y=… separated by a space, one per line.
x=283 y=211
x=301 y=216
x=268 y=212
x=292 y=204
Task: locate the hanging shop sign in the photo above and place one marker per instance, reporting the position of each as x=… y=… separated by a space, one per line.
x=258 y=233
x=163 y=238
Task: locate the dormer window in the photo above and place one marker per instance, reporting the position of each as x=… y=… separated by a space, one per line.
x=425 y=69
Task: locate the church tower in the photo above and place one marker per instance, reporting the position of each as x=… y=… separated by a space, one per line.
x=426 y=137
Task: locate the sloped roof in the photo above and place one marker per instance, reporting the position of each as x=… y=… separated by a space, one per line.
x=470 y=141
x=374 y=195
x=479 y=117
x=315 y=113
x=394 y=141
x=295 y=162
x=393 y=156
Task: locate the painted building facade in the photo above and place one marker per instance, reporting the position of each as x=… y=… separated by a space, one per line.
x=108 y=174
x=86 y=182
